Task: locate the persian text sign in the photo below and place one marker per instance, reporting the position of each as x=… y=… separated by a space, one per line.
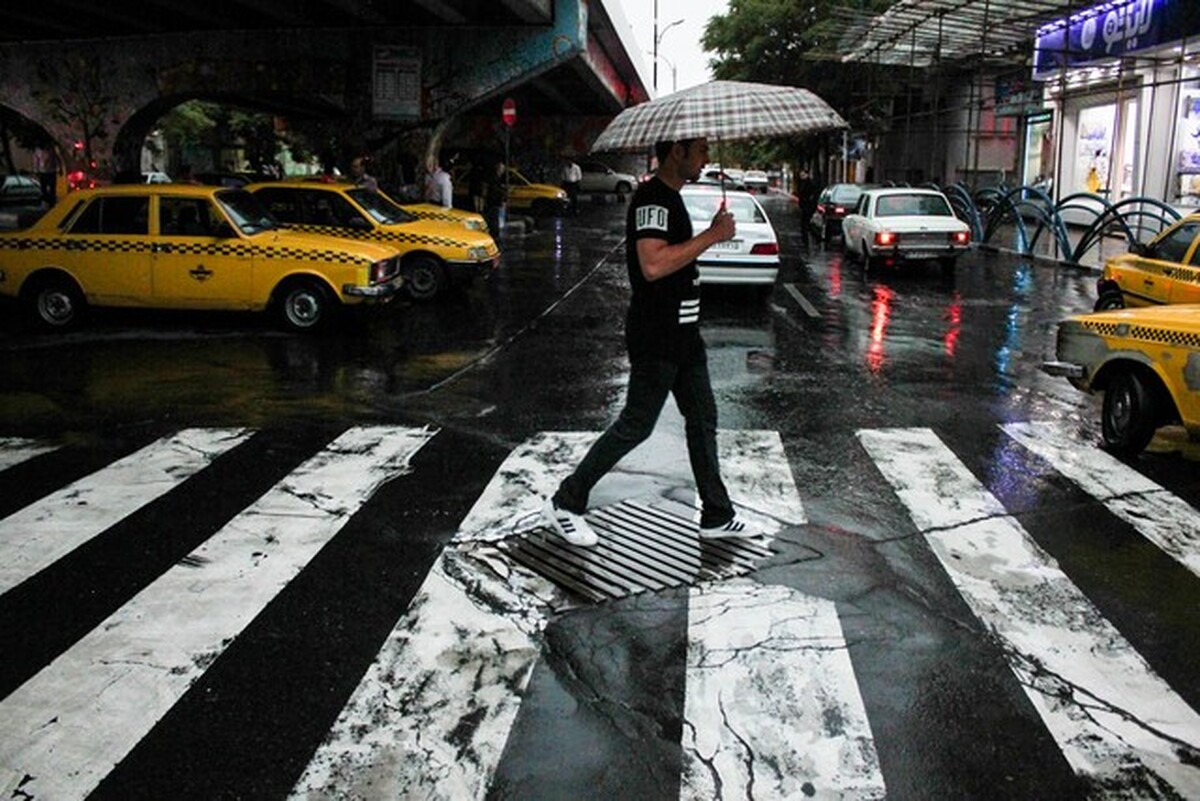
x=397 y=83
x=1111 y=29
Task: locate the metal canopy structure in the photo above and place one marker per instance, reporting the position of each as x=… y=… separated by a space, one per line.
x=923 y=33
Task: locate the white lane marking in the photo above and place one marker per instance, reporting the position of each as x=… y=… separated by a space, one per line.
x=33 y=538
x=71 y=723
x=808 y=308
x=759 y=479
x=772 y=706
x=1115 y=720
x=1161 y=517
x=14 y=450
x=432 y=714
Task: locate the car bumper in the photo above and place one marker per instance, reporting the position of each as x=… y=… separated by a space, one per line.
x=741 y=274
x=1065 y=370
x=918 y=254
x=459 y=271
x=374 y=291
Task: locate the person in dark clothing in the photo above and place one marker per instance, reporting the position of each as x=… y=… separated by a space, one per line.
x=666 y=353
x=494 y=198
x=806 y=199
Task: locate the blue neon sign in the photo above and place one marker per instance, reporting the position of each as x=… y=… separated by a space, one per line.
x=1112 y=29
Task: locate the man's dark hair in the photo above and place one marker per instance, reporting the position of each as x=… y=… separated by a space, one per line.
x=663 y=149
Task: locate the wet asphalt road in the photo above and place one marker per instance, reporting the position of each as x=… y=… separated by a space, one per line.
x=830 y=352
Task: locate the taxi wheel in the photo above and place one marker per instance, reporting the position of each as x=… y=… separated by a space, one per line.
x=423 y=277
x=57 y=303
x=1110 y=300
x=303 y=305
x=1130 y=414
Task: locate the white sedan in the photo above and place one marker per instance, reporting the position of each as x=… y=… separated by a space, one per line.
x=752 y=256
x=889 y=226
x=599 y=177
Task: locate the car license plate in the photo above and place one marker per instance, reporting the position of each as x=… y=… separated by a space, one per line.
x=727 y=245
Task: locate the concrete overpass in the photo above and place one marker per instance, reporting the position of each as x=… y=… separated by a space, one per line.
x=432 y=71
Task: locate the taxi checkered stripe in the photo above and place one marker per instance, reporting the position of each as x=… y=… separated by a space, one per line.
x=1187 y=274
x=382 y=236
x=1165 y=336
x=186 y=248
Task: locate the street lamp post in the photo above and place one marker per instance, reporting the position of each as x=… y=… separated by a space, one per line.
x=658 y=38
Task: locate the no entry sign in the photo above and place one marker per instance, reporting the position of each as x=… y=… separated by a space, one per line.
x=509 y=112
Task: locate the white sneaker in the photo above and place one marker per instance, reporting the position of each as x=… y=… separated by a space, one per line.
x=568 y=525
x=735 y=528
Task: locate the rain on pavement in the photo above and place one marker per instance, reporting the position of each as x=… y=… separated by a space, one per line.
x=943 y=611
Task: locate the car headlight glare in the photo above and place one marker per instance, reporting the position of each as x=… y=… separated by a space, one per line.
x=477 y=253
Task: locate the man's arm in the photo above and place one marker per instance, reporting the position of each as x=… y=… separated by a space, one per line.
x=658 y=259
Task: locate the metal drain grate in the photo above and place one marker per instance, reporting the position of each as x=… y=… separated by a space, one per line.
x=641 y=548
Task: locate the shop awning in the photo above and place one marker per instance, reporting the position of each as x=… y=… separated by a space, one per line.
x=923 y=33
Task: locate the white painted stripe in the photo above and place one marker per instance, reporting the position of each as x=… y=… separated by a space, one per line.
x=71 y=723
x=464 y=651
x=41 y=533
x=688 y=319
x=1115 y=720
x=767 y=669
x=14 y=450
x=759 y=479
x=1161 y=517
x=808 y=308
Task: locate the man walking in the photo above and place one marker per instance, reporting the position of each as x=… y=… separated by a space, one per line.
x=666 y=353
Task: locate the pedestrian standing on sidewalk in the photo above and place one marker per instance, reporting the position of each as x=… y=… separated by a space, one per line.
x=666 y=353
x=571 y=176
x=806 y=199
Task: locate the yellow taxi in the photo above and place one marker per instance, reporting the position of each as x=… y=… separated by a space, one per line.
x=434 y=254
x=1164 y=270
x=470 y=220
x=542 y=200
x=180 y=246
x=1145 y=361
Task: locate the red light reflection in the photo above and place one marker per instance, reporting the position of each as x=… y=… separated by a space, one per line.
x=835 y=278
x=881 y=313
x=954 y=317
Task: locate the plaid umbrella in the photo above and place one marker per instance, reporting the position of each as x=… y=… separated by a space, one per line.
x=720 y=110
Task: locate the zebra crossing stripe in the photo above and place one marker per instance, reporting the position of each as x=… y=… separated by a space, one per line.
x=1118 y=724
x=63 y=730
x=1158 y=515
x=14 y=450
x=432 y=714
x=767 y=671
x=35 y=537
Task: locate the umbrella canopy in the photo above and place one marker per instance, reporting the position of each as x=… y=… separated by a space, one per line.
x=720 y=110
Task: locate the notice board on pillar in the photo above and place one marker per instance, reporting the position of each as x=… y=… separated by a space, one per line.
x=396 y=77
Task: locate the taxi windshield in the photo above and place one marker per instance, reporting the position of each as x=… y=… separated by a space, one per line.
x=247 y=213
x=381 y=207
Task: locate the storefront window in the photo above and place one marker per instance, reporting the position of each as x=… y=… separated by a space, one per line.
x=1187 y=138
x=1094 y=148
x=1039 y=151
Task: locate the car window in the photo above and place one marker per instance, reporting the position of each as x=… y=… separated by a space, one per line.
x=703 y=206
x=1174 y=245
x=912 y=206
x=282 y=204
x=114 y=215
x=187 y=216
x=246 y=212
x=845 y=195
x=380 y=207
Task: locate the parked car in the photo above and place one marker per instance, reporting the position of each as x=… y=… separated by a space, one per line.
x=890 y=226
x=176 y=246
x=1143 y=360
x=20 y=190
x=752 y=256
x=757 y=181
x=540 y=200
x=599 y=177
x=1165 y=270
x=833 y=204
x=435 y=254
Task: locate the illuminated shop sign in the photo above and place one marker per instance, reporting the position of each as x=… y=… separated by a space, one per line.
x=1112 y=29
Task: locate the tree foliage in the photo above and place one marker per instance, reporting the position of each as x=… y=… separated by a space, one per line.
x=797 y=43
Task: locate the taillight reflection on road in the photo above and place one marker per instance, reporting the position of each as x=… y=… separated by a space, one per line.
x=954 y=318
x=881 y=314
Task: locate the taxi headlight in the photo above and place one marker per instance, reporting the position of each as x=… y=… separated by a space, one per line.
x=562 y=195
x=478 y=253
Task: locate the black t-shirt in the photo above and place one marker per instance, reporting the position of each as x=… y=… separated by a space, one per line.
x=664 y=315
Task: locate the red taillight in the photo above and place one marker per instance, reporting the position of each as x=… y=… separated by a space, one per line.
x=839 y=209
x=960 y=237
x=885 y=238
x=765 y=249
x=821 y=207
